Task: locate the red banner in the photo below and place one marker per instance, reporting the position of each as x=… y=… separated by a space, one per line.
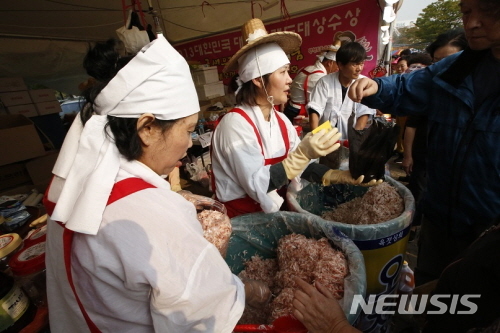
x=358 y=20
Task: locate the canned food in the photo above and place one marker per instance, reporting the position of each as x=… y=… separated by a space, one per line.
x=28 y=268
x=9 y=245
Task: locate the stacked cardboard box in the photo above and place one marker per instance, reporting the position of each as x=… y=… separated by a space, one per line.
x=24 y=163
x=21 y=145
x=45 y=101
x=18 y=102
x=22 y=177
x=17 y=99
x=206 y=80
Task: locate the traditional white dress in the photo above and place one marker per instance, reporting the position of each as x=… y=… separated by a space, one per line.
x=326 y=99
x=148 y=268
x=237 y=160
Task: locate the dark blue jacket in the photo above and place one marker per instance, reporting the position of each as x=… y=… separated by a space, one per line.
x=463 y=160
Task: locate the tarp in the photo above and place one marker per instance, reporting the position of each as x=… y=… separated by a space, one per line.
x=45 y=41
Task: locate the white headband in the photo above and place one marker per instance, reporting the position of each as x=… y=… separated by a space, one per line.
x=158 y=81
x=330 y=55
x=261 y=60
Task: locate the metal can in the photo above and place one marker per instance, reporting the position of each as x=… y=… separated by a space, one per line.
x=28 y=269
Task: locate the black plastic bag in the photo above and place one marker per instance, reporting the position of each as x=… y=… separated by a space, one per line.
x=371 y=148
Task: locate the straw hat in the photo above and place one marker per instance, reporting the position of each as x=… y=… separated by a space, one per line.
x=331 y=48
x=254 y=33
x=334 y=47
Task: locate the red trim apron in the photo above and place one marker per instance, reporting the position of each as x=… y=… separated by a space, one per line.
x=120 y=190
x=247 y=204
x=303 y=111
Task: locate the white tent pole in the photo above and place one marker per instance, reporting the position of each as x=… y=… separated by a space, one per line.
x=387 y=62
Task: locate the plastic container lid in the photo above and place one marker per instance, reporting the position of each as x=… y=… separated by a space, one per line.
x=29 y=260
x=37 y=236
x=9 y=243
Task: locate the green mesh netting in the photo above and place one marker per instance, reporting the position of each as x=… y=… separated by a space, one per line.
x=259 y=233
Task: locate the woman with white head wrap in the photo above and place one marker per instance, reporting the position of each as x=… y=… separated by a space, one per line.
x=124 y=252
x=255 y=149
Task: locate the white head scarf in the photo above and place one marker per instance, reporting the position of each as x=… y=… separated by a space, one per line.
x=158 y=81
x=261 y=60
x=330 y=55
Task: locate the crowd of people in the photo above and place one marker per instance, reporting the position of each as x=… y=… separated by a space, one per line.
x=461 y=196
x=125 y=253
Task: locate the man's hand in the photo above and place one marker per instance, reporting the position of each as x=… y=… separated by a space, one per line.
x=407 y=165
x=362 y=88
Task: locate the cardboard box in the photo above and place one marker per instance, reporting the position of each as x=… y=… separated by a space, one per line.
x=27 y=110
x=19 y=139
x=209 y=102
x=12 y=84
x=210 y=90
x=205 y=75
x=204 y=105
x=43 y=95
x=15 y=98
x=12 y=175
x=40 y=168
x=44 y=108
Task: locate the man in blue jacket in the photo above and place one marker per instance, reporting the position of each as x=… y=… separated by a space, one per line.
x=461 y=97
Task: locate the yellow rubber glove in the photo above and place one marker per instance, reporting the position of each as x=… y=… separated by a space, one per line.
x=312 y=146
x=344 y=177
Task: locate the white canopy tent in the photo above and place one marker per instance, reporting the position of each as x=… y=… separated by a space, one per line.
x=45 y=41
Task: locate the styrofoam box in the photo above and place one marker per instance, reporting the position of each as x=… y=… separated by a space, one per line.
x=48 y=107
x=43 y=95
x=12 y=84
x=210 y=90
x=205 y=75
x=15 y=98
x=27 y=110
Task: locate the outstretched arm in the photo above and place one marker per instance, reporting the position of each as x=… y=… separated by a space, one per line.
x=362 y=88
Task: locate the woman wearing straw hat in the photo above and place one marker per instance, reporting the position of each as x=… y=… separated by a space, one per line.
x=255 y=149
x=124 y=252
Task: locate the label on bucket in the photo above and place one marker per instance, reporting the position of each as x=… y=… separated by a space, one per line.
x=383 y=261
x=379 y=257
